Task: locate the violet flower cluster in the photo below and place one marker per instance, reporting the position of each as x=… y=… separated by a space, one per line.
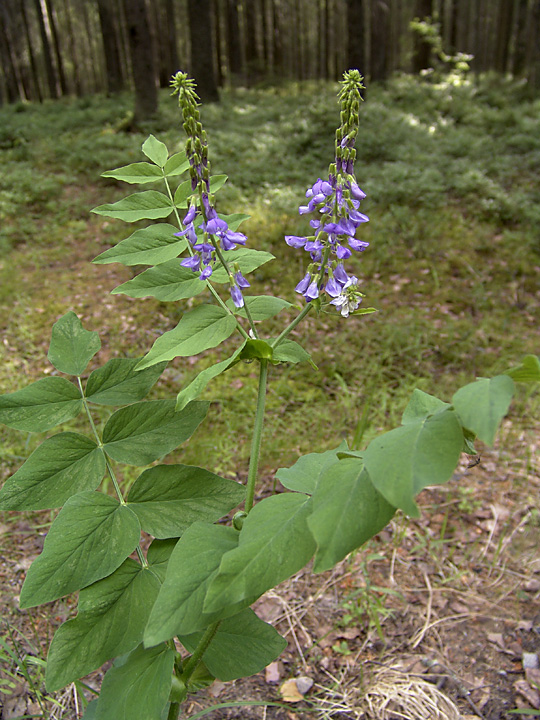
x=336 y=202
x=208 y=234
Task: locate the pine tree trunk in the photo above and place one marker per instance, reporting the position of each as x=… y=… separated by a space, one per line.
x=54 y=90
x=142 y=60
x=234 y=47
x=172 y=48
x=202 y=51
x=356 y=43
x=31 y=55
x=422 y=50
x=111 y=49
x=56 y=46
x=379 y=40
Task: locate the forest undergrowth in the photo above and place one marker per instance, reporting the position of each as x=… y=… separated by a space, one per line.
x=451 y=176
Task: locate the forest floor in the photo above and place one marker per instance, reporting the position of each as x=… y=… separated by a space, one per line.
x=434 y=618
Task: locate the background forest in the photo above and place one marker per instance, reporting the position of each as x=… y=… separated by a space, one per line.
x=449 y=157
x=51 y=48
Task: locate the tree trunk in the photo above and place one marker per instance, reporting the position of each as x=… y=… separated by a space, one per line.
x=111 y=49
x=234 y=47
x=31 y=55
x=73 y=53
x=422 y=50
x=202 y=51
x=172 y=48
x=504 y=24
x=54 y=90
x=142 y=60
x=56 y=46
x=356 y=43
x=379 y=40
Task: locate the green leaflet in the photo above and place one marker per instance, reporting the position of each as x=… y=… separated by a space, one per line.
x=347 y=511
x=41 y=405
x=72 y=347
x=176 y=165
x=155 y=150
x=158 y=556
x=196 y=386
x=291 y=351
x=167 y=282
x=242 y=646
x=118 y=383
x=137 y=687
x=204 y=327
x=527 y=371
x=421 y=405
x=145 y=431
x=60 y=467
x=92 y=536
x=261 y=307
x=304 y=475
x=193 y=562
x=407 y=459
x=112 y=614
x=152 y=245
x=147 y=205
x=481 y=405
x=185 y=191
x=136 y=173
x=275 y=542
x=248 y=260
x=167 y=499
x=235 y=220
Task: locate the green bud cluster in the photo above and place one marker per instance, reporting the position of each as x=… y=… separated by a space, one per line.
x=349 y=98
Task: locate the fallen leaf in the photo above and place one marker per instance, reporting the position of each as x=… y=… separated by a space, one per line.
x=272 y=674
x=289 y=691
x=531 y=695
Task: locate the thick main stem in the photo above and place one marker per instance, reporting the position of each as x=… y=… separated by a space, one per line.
x=257 y=436
x=195 y=659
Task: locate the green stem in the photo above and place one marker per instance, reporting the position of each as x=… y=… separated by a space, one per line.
x=208 y=283
x=107 y=463
x=257 y=436
x=174 y=711
x=292 y=325
x=195 y=659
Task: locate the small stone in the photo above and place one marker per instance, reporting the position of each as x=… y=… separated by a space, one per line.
x=529 y=660
x=304 y=684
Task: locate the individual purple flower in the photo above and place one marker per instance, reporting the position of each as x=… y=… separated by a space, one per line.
x=237 y=297
x=349 y=298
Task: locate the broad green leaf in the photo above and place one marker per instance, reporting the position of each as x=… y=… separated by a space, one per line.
x=260 y=307
x=196 y=387
x=41 y=405
x=60 y=467
x=275 y=542
x=204 y=327
x=117 y=382
x=146 y=431
x=112 y=614
x=183 y=192
x=256 y=349
x=91 y=537
x=347 y=511
x=248 y=260
x=217 y=182
x=407 y=459
x=291 y=351
x=242 y=646
x=481 y=405
x=152 y=245
x=155 y=150
x=158 y=556
x=176 y=165
x=235 y=220
x=147 y=205
x=527 y=371
x=137 y=688
x=136 y=173
x=72 y=347
x=421 y=405
x=167 y=282
x=304 y=475
x=193 y=562
x=167 y=499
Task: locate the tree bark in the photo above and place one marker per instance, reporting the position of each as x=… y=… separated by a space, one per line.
x=356 y=43
x=29 y=45
x=142 y=60
x=234 y=46
x=54 y=90
x=421 y=49
x=56 y=46
x=111 y=49
x=202 y=51
x=379 y=40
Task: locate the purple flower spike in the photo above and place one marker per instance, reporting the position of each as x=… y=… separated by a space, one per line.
x=237 y=297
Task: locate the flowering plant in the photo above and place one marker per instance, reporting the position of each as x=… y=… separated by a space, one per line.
x=175 y=614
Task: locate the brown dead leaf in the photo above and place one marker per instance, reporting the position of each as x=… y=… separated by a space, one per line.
x=531 y=695
x=289 y=692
